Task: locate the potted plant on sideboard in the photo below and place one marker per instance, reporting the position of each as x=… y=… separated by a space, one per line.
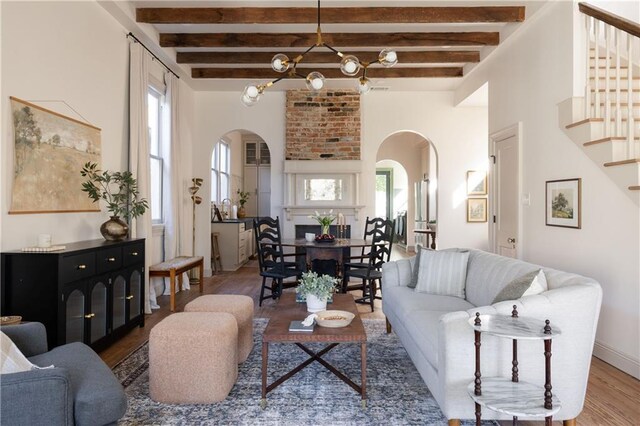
x=316 y=290
x=120 y=192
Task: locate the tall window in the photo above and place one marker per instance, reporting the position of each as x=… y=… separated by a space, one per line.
x=155 y=153
x=220 y=172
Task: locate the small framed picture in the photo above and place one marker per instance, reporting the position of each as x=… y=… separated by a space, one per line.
x=476 y=209
x=476 y=182
x=564 y=203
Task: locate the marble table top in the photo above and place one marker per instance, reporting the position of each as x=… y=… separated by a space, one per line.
x=513 y=328
x=520 y=399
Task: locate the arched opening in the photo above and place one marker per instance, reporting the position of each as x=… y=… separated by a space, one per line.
x=241 y=163
x=406 y=185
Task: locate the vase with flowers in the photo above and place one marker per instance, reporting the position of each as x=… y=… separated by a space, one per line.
x=325 y=220
x=243 y=197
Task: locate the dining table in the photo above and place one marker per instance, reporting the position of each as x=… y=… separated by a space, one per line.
x=338 y=250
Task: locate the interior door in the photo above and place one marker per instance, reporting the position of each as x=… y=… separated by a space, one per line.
x=506 y=193
x=264 y=191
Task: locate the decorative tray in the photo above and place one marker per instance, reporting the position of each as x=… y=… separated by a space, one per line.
x=325 y=240
x=10 y=320
x=334 y=319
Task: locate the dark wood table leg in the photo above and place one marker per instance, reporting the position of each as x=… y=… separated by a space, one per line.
x=265 y=357
x=363 y=385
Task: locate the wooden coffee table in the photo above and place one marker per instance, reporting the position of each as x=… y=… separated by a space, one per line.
x=277 y=331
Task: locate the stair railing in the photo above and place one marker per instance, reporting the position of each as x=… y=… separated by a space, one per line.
x=610 y=34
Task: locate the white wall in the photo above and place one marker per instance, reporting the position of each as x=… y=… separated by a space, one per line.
x=527 y=79
x=459 y=136
x=73 y=52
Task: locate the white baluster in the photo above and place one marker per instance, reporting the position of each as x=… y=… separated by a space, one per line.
x=587 y=87
x=630 y=119
x=618 y=108
x=596 y=85
x=607 y=81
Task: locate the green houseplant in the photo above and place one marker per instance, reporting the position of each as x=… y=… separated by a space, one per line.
x=243 y=197
x=316 y=289
x=119 y=190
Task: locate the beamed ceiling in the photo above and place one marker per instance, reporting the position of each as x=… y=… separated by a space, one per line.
x=227 y=44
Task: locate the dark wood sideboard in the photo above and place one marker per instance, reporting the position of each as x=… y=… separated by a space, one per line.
x=91 y=292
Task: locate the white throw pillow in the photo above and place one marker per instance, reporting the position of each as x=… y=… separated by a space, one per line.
x=442 y=272
x=11 y=359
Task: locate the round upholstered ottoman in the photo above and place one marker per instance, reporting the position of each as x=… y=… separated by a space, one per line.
x=241 y=307
x=193 y=358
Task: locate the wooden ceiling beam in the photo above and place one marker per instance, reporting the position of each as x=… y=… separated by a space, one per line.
x=337 y=15
x=275 y=40
x=266 y=73
x=413 y=57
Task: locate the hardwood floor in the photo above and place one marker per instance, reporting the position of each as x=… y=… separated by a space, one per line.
x=613 y=397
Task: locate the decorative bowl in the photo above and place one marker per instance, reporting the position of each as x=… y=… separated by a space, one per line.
x=10 y=320
x=334 y=319
x=325 y=238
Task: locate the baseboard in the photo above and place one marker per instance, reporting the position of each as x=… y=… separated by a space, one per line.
x=619 y=360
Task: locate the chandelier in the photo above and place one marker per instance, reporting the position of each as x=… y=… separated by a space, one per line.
x=349 y=65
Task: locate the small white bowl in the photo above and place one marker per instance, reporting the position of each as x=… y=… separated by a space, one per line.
x=309 y=237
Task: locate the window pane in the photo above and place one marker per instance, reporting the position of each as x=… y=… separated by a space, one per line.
x=214 y=158
x=224 y=186
x=323 y=189
x=214 y=186
x=224 y=157
x=154 y=124
x=156 y=189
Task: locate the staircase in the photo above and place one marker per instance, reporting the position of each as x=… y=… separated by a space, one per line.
x=605 y=123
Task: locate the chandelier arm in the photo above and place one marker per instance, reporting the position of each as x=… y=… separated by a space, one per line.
x=318 y=14
x=295 y=74
x=337 y=52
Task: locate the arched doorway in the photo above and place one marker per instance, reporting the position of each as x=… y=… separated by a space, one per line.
x=410 y=160
x=241 y=162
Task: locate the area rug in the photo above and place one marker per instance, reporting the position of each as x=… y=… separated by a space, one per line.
x=396 y=393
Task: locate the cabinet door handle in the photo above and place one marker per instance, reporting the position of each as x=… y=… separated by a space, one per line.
x=129 y=297
x=134 y=253
x=89 y=316
x=111 y=259
x=82 y=266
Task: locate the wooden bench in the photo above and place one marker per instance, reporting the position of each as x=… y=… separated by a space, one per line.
x=178 y=266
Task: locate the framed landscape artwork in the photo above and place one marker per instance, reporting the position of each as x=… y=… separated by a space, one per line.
x=49 y=151
x=564 y=203
x=476 y=182
x=476 y=209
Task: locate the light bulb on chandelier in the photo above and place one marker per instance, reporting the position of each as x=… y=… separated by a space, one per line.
x=350 y=66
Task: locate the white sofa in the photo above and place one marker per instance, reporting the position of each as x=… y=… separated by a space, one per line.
x=435 y=332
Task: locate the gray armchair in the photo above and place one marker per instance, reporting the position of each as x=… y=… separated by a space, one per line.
x=79 y=390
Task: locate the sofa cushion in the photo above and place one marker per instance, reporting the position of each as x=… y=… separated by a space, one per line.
x=403 y=300
x=488 y=274
x=98 y=396
x=525 y=285
x=423 y=328
x=442 y=272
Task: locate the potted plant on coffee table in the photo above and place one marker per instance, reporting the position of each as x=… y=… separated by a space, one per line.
x=120 y=192
x=316 y=289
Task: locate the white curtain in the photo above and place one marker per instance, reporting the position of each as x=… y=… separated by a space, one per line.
x=139 y=154
x=173 y=180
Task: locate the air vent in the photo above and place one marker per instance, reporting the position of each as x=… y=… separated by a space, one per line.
x=379 y=88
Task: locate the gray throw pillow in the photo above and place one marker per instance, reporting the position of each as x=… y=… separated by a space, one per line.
x=443 y=272
x=416 y=265
x=526 y=285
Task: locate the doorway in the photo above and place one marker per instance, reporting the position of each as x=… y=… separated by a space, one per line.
x=384 y=189
x=505 y=224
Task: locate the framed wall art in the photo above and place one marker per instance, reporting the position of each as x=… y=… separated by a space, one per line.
x=564 y=203
x=476 y=182
x=50 y=149
x=476 y=209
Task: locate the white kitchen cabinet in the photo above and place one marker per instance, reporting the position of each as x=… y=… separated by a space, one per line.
x=234 y=240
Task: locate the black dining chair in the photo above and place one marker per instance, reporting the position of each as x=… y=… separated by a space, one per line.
x=362 y=260
x=271 y=258
x=371 y=276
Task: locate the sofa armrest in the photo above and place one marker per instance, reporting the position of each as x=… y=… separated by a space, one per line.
x=36 y=397
x=397 y=273
x=573 y=310
x=30 y=337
